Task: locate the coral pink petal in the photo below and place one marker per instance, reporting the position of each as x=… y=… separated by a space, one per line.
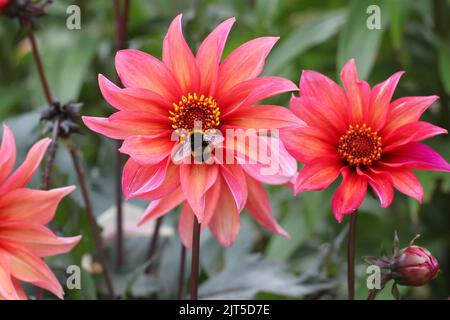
x=411 y=132
x=225 y=223
x=196 y=180
x=186 y=225
x=416 y=156
x=317 y=86
x=406 y=110
x=406 y=182
x=7 y=288
x=235 y=180
x=354 y=89
x=160 y=207
x=178 y=58
x=261 y=117
x=306 y=144
x=318 y=174
x=258 y=206
x=27 y=267
x=252 y=91
x=244 y=63
x=381 y=183
x=148 y=149
x=25 y=172
x=122 y=125
x=36 y=238
x=7 y=153
x=379 y=106
x=349 y=195
x=138 y=69
x=134 y=99
x=209 y=55
x=171 y=182
x=25 y=205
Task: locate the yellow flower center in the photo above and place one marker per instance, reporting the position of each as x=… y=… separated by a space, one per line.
x=360 y=145
x=193 y=109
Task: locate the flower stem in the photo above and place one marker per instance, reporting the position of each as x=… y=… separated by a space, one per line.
x=154 y=240
x=351 y=256
x=180 y=293
x=46 y=178
x=91 y=218
x=195 y=264
x=121 y=32
x=372 y=294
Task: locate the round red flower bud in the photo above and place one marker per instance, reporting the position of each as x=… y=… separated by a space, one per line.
x=414 y=266
x=4 y=4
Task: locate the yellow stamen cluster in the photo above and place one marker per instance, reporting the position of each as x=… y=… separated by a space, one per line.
x=360 y=145
x=193 y=108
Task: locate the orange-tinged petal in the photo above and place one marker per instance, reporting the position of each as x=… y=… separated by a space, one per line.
x=354 y=89
x=406 y=182
x=209 y=55
x=148 y=149
x=24 y=173
x=171 y=182
x=381 y=183
x=138 y=69
x=349 y=195
x=225 y=223
x=258 y=206
x=7 y=153
x=7 y=288
x=196 y=180
x=178 y=58
x=25 y=205
x=160 y=207
x=244 y=63
x=235 y=180
x=186 y=226
x=318 y=174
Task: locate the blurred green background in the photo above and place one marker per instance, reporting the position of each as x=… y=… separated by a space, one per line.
x=315 y=34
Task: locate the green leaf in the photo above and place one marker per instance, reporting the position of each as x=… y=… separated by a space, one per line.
x=398 y=12
x=444 y=66
x=357 y=40
x=304 y=37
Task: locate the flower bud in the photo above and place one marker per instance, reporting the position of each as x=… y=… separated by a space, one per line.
x=414 y=266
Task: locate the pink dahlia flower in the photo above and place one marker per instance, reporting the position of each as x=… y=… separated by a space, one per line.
x=24 y=212
x=362 y=135
x=3 y=4
x=172 y=95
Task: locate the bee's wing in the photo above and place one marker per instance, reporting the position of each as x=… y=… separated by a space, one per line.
x=182 y=151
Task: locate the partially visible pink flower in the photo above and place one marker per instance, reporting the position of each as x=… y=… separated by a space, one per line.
x=414 y=266
x=362 y=135
x=24 y=212
x=161 y=97
x=3 y=4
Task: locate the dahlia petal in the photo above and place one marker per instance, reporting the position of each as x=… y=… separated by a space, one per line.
x=349 y=77
x=24 y=173
x=258 y=206
x=38 y=206
x=406 y=182
x=171 y=182
x=406 y=110
x=261 y=117
x=178 y=58
x=20 y=292
x=306 y=144
x=7 y=153
x=381 y=183
x=134 y=99
x=122 y=125
x=379 y=106
x=225 y=223
x=252 y=91
x=138 y=69
x=7 y=288
x=186 y=226
x=349 y=195
x=411 y=132
x=416 y=156
x=209 y=55
x=316 y=114
x=36 y=238
x=27 y=267
x=211 y=201
x=319 y=87
x=148 y=149
x=244 y=63
x=318 y=174
x=196 y=180
x=160 y=207
x=235 y=179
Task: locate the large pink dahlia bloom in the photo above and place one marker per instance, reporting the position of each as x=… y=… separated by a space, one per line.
x=24 y=239
x=362 y=135
x=161 y=97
